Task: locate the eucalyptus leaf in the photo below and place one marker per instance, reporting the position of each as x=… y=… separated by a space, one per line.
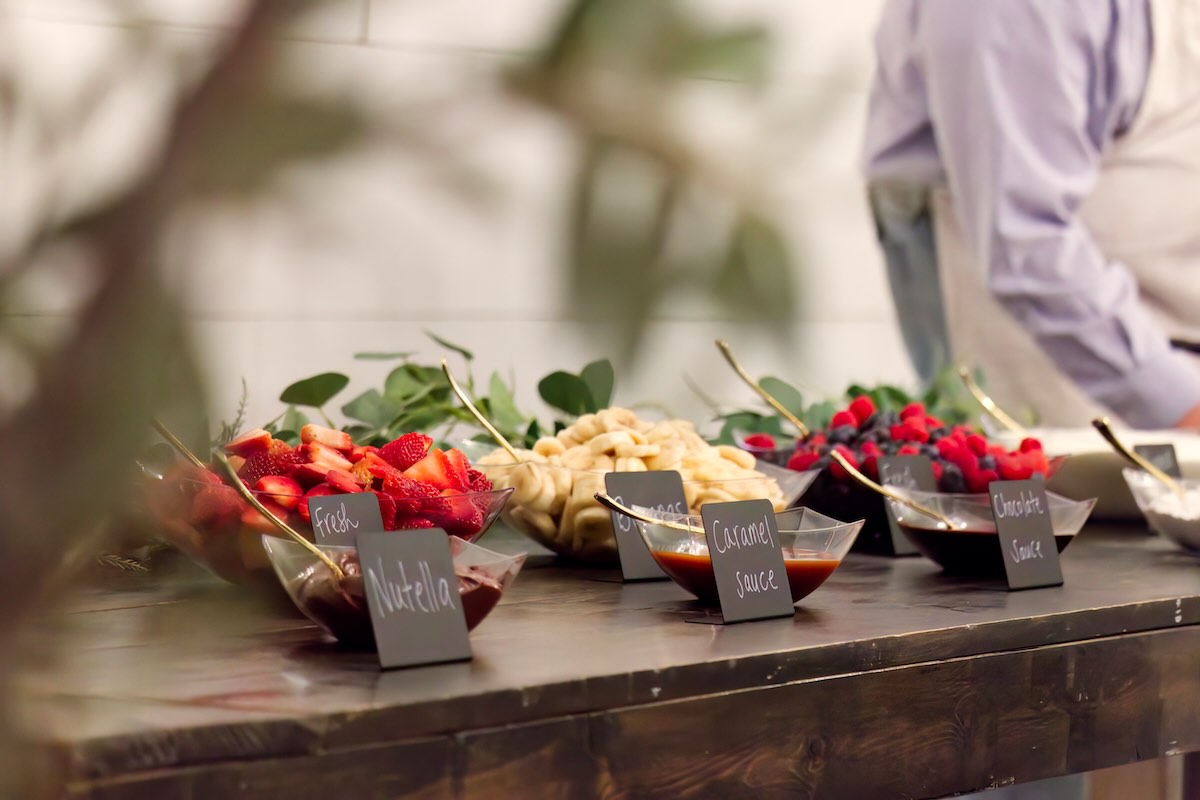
x=293 y=419
x=566 y=392
x=504 y=412
x=315 y=391
x=372 y=408
x=289 y=436
x=789 y=396
x=600 y=378
x=401 y=383
x=384 y=356
x=462 y=351
x=736 y=55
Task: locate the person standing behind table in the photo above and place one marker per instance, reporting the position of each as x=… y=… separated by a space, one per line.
x=1034 y=171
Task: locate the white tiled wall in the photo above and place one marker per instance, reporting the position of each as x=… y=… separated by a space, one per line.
x=367 y=252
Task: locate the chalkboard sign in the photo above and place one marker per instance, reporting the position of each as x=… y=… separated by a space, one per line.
x=905 y=472
x=747 y=559
x=337 y=519
x=660 y=490
x=1162 y=456
x=412 y=594
x=1027 y=544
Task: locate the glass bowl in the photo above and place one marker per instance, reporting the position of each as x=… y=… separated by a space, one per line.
x=556 y=505
x=1176 y=519
x=483 y=577
x=223 y=532
x=813 y=547
x=974 y=548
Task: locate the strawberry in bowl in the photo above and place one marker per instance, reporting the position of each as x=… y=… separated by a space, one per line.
x=416 y=485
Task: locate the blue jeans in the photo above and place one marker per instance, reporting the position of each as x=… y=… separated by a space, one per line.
x=904 y=227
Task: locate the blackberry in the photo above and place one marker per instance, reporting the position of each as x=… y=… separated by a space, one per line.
x=843 y=434
x=952 y=479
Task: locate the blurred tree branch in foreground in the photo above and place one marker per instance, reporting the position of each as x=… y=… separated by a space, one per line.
x=655 y=213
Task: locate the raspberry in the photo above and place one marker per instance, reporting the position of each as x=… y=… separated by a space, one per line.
x=1029 y=443
x=800 y=461
x=762 y=441
x=978 y=444
x=837 y=469
x=843 y=418
x=913 y=410
x=862 y=408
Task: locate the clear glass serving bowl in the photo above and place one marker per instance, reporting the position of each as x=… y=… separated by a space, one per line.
x=1168 y=515
x=231 y=548
x=341 y=609
x=813 y=547
x=564 y=516
x=973 y=547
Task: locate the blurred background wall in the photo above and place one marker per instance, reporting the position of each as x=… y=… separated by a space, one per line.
x=367 y=252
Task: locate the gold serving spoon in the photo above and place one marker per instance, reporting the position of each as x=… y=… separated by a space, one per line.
x=989 y=405
x=891 y=494
x=614 y=505
x=475 y=412
x=1104 y=426
x=723 y=346
x=247 y=495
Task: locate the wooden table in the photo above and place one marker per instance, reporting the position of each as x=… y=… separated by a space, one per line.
x=891 y=681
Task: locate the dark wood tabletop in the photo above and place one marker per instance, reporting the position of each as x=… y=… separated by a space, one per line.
x=892 y=680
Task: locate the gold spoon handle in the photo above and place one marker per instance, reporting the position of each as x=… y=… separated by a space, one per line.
x=989 y=405
x=249 y=497
x=475 y=412
x=723 y=346
x=889 y=493
x=175 y=443
x=613 y=505
x=1104 y=426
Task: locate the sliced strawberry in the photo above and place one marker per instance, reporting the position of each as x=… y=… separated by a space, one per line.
x=216 y=507
x=408 y=492
x=458 y=469
x=436 y=470
x=343 y=481
x=412 y=523
x=378 y=467
x=356 y=453
x=479 y=481
x=338 y=440
x=318 y=453
x=309 y=474
x=410 y=448
x=387 y=509
x=457 y=514
x=280 y=489
x=252 y=519
x=320 y=490
x=250 y=443
x=257 y=466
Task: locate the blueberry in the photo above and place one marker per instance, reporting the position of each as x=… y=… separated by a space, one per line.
x=952 y=479
x=843 y=434
x=870 y=422
x=987 y=462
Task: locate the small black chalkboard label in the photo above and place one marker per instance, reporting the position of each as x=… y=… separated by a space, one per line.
x=660 y=490
x=412 y=594
x=747 y=559
x=905 y=472
x=1027 y=544
x=338 y=519
x=1162 y=456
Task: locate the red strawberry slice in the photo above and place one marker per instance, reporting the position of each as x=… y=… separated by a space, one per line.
x=387 y=509
x=459 y=469
x=250 y=443
x=338 y=440
x=343 y=481
x=375 y=464
x=407 y=492
x=280 y=489
x=457 y=515
x=412 y=523
x=479 y=481
x=320 y=490
x=309 y=474
x=318 y=453
x=356 y=453
x=436 y=470
x=862 y=408
x=257 y=466
x=410 y=448
x=216 y=507
x=252 y=519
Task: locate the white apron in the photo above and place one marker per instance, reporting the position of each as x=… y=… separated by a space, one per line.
x=1143 y=212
